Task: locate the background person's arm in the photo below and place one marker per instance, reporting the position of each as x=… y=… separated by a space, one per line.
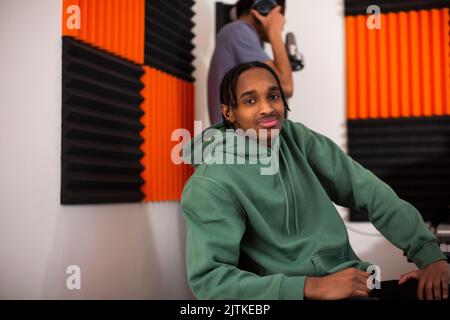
x=273 y=24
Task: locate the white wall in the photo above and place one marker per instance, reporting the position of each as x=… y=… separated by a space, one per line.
x=124 y=251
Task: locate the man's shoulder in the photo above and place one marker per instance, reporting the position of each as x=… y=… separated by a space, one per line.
x=235 y=28
x=291 y=127
x=296 y=132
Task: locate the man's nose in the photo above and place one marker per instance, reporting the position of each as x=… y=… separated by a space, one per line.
x=265 y=107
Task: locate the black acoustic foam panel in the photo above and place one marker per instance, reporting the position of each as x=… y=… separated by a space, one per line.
x=222 y=15
x=412 y=155
x=100 y=127
x=168 y=37
x=356 y=7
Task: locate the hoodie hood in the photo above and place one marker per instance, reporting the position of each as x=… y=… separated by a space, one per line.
x=219 y=145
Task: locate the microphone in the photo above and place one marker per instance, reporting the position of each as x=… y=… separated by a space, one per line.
x=295 y=57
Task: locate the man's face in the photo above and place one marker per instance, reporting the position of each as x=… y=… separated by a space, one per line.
x=259 y=104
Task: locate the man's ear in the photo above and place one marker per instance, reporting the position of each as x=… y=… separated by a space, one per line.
x=227 y=112
x=256 y=15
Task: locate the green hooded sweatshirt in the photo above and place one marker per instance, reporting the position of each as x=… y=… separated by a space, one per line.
x=258 y=236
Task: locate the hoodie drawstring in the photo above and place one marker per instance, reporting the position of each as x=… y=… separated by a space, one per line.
x=292 y=190
x=286 y=195
x=286 y=201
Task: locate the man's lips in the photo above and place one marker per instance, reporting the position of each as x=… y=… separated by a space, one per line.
x=268 y=122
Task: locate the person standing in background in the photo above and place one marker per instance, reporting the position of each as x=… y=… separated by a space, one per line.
x=242 y=41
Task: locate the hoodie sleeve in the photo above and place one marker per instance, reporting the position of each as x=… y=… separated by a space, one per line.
x=215 y=225
x=349 y=184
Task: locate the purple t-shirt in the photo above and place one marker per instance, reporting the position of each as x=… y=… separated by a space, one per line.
x=236 y=43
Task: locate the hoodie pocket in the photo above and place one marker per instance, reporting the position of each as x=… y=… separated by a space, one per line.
x=326 y=261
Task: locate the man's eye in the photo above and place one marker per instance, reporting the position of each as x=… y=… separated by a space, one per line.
x=274 y=97
x=250 y=101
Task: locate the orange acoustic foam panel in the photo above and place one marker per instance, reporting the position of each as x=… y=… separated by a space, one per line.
x=401 y=69
x=116 y=26
x=168 y=105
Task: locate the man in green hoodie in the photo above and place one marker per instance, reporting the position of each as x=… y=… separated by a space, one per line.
x=261 y=223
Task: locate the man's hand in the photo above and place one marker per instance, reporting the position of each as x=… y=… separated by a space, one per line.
x=272 y=26
x=273 y=23
x=433 y=281
x=344 y=284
